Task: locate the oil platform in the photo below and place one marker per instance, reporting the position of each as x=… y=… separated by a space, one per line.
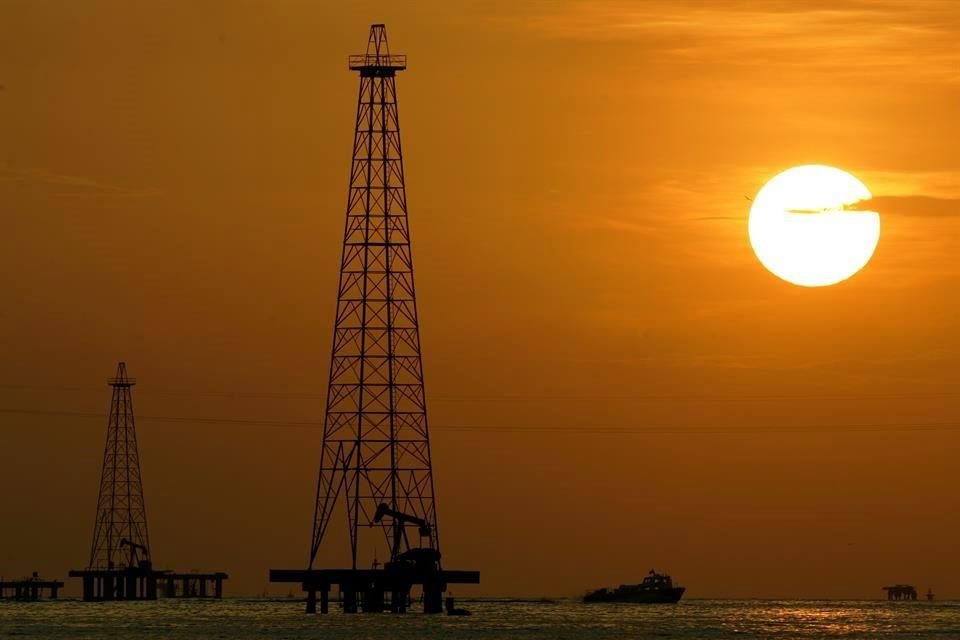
x=29 y=589
x=120 y=567
x=375 y=462
x=901 y=592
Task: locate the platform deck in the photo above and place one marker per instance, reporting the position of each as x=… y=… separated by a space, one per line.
x=29 y=589
x=373 y=590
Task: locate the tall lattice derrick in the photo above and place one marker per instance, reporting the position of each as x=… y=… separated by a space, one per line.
x=376 y=444
x=120 y=535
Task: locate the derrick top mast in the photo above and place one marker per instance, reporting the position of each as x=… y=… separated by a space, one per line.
x=378 y=61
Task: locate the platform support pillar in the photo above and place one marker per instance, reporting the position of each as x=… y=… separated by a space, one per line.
x=349 y=600
x=432 y=598
x=398 y=600
x=373 y=599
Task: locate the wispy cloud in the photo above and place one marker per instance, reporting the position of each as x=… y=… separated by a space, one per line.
x=862 y=37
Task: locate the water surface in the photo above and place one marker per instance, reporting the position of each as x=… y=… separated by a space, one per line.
x=689 y=620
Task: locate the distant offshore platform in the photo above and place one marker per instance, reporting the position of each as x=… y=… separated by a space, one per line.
x=120 y=565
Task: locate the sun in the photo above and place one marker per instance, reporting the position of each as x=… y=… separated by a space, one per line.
x=804 y=227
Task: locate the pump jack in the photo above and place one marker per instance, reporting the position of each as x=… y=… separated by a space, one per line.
x=415 y=556
x=143 y=562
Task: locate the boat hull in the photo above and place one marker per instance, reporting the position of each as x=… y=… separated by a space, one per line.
x=660 y=596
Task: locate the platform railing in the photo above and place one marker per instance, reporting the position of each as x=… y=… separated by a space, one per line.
x=366 y=60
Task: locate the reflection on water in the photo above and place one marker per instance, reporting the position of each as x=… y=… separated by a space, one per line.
x=691 y=619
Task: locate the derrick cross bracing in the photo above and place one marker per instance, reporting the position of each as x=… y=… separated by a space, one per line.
x=375 y=466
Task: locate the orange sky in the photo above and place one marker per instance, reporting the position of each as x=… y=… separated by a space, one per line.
x=173 y=179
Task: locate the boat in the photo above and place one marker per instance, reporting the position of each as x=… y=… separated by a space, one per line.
x=656 y=588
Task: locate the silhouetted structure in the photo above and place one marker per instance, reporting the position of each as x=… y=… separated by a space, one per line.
x=29 y=589
x=375 y=456
x=192 y=585
x=120 y=567
x=656 y=588
x=901 y=592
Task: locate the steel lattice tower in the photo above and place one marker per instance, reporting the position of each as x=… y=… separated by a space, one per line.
x=120 y=537
x=376 y=444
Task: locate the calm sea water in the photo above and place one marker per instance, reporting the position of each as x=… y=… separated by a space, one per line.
x=691 y=619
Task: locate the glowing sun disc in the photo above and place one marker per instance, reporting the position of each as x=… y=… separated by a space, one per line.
x=803 y=229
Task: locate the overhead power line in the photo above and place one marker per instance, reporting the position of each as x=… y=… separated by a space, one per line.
x=694 y=429
x=544 y=397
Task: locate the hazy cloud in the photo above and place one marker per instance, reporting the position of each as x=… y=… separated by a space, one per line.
x=60 y=184
x=914 y=206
